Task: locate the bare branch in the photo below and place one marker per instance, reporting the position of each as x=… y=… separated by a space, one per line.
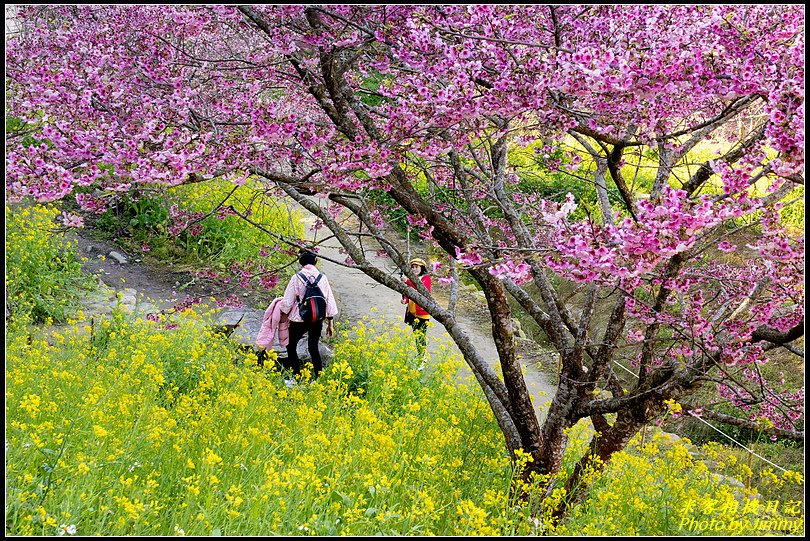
x=743 y=423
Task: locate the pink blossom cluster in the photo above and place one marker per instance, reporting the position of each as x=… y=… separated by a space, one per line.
x=625 y=65
x=72 y=220
x=269 y=281
x=183 y=220
x=585 y=252
x=232 y=301
x=90 y=203
x=519 y=272
x=783 y=413
x=187 y=303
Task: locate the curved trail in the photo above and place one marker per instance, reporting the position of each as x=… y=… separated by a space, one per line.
x=358 y=296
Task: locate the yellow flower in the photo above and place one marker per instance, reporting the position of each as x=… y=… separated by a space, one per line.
x=132 y=508
x=99 y=431
x=234 y=497
x=673 y=406
x=793 y=476
x=211 y=458
x=30 y=403
x=472 y=519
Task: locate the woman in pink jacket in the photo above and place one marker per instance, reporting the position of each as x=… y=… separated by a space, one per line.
x=298 y=328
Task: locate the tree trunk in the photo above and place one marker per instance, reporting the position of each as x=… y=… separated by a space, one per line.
x=502 y=332
x=602 y=447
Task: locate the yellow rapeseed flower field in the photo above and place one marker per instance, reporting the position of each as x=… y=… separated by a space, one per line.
x=121 y=426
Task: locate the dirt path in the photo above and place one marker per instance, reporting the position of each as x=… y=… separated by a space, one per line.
x=358 y=296
x=147 y=288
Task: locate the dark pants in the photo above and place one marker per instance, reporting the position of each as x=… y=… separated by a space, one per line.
x=420 y=333
x=313 y=332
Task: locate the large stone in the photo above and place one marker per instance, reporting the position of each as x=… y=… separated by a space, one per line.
x=674 y=438
x=250 y=322
x=105 y=299
x=725 y=479
x=120 y=258
x=694 y=451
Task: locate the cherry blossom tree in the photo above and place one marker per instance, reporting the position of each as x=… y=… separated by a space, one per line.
x=360 y=110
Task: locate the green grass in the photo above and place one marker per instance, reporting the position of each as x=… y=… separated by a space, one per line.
x=44 y=278
x=216 y=240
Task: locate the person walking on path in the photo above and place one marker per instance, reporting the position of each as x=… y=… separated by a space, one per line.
x=415 y=315
x=291 y=304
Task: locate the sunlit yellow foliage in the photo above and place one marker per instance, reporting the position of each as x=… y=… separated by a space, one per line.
x=228 y=237
x=106 y=436
x=43 y=272
x=185 y=436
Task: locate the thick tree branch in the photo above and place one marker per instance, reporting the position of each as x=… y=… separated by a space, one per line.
x=774 y=336
x=705 y=171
